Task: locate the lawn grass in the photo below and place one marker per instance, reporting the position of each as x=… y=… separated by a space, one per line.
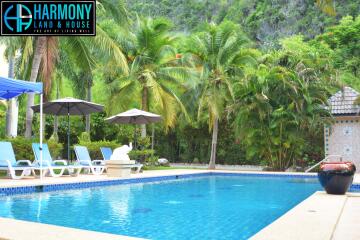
x=163 y=168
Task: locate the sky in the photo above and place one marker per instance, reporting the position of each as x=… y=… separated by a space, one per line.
x=3 y=63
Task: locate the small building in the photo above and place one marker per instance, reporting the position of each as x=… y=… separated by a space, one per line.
x=343 y=136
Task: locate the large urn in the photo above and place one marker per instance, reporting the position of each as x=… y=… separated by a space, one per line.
x=336 y=177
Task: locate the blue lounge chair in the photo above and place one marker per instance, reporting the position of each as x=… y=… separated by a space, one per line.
x=49 y=164
x=96 y=167
x=107 y=152
x=8 y=162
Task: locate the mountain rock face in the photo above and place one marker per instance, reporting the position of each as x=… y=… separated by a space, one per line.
x=265 y=21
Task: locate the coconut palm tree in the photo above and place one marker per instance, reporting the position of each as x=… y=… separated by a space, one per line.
x=13 y=46
x=79 y=49
x=220 y=54
x=156 y=69
x=12 y=104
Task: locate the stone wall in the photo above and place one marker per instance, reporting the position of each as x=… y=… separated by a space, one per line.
x=343 y=138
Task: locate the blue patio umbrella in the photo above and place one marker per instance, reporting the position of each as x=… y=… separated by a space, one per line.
x=10 y=88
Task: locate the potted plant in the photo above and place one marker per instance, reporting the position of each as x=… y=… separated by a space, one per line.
x=336 y=177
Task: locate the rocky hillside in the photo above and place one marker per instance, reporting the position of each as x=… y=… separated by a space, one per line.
x=265 y=21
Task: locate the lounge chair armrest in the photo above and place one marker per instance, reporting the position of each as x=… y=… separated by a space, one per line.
x=84 y=161
x=64 y=162
x=8 y=163
x=23 y=161
x=97 y=161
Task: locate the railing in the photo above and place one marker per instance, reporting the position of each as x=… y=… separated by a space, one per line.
x=324 y=160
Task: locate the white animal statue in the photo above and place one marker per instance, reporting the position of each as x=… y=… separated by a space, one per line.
x=121 y=153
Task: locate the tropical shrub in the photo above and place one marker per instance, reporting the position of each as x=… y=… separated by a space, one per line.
x=141 y=155
x=278 y=104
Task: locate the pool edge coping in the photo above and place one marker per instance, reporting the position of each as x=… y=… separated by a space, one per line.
x=88 y=234
x=319 y=216
x=88 y=183
x=42 y=231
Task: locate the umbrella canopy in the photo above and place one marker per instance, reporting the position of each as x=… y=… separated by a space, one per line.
x=10 y=88
x=134 y=116
x=69 y=106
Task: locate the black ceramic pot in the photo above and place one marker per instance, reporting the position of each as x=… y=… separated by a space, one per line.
x=336 y=177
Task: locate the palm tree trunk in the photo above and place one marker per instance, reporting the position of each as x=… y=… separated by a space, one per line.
x=14 y=117
x=12 y=111
x=39 y=49
x=56 y=119
x=145 y=107
x=89 y=98
x=56 y=126
x=214 y=143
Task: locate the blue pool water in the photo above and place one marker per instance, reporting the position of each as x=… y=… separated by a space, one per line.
x=208 y=207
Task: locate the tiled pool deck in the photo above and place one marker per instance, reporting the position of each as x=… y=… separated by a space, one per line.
x=320 y=216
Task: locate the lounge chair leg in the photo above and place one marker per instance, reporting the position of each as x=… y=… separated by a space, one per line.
x=97 y=170
x=77 y=172
x=53 y=174
x=14 y=176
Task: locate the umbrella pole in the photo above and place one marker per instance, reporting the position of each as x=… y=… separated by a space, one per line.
x=135 y=137
x=41 y=136
x=68 y=135
x=152 y=136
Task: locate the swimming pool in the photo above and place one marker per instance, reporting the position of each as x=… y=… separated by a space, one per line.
x=202 y=207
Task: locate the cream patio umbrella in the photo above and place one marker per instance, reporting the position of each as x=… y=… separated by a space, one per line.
x=69 y=106
x=134 y=116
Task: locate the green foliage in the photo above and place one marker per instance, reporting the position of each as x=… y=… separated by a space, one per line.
x=23 y=149
x=343 y=39
x=327 y=6
x=152 y=160
x=144 y=143
x=145 y=155
x=3 y=109
x=84 y=137
x=177 y=146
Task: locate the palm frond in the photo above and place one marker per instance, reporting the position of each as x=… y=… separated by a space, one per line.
x=26 y=52
x=115 y=8
x=107 y=44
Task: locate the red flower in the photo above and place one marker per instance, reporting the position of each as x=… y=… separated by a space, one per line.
x=337 y=166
